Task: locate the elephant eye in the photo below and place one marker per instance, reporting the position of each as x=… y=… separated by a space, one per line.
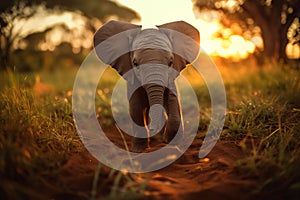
x=170 y=63
x=135 y=63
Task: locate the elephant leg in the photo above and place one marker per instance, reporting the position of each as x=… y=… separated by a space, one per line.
x=138 y=104
x=174 y=125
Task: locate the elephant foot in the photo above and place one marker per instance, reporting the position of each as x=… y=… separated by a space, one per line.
x=139 y=145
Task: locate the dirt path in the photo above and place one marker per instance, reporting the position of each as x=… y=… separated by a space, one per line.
x=210 y=178
x=187 y=178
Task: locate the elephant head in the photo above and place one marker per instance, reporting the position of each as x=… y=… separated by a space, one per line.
x=154 y=55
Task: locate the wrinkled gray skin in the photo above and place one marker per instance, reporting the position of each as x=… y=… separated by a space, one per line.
x=150 y=53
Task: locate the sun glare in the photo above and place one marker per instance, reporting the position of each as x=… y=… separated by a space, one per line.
x=44 y=19
x=156 y=12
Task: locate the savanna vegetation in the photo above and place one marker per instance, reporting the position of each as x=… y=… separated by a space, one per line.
x=42 y=156
x=39 y=139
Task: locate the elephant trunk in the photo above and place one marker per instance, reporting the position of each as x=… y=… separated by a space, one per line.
x=154 y=78
x=155 y=96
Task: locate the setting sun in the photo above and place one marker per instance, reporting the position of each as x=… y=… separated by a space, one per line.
x=152 y=13
x=157 y=12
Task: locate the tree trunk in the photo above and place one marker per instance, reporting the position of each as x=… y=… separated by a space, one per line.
x=270 y=43
x=268 y=19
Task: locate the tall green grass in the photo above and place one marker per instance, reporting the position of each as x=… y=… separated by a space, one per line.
x=37 y=133
x=36 y=136
x=264 y=119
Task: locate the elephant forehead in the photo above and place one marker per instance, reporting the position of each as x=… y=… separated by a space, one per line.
x=152 y=56
x=151 y=38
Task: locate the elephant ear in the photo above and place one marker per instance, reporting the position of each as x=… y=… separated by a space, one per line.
x=185 y=40
x=112 y=44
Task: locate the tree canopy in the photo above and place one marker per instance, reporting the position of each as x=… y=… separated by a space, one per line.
x=100 y=9
x=273 y=17
x=18 y=10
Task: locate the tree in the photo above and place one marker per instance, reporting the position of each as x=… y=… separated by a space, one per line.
x=22 y=10
x=9 y=32
x=100 y=9
x=274 y=17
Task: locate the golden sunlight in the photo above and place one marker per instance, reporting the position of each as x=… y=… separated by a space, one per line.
x=156 y=12
x=44 y=20
x=56 y=23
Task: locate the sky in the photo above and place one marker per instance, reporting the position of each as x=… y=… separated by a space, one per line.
x=78 y=37
x=156 y=12
x=152 y=12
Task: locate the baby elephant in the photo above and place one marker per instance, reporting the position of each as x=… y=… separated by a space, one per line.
x=150 y=59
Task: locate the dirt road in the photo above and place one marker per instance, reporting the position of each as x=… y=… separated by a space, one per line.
x=188 y=178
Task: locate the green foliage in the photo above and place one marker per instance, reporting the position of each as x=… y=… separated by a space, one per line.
x=100 y=9
x=36 y=136
x=37 y=132
x=15 y=12
x=274 y=18
x=264 y=118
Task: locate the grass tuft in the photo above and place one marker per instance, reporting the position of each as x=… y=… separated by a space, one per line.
x=37 y=133
x=36 y=136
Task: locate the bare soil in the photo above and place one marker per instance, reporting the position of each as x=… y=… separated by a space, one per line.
x=188 y=178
